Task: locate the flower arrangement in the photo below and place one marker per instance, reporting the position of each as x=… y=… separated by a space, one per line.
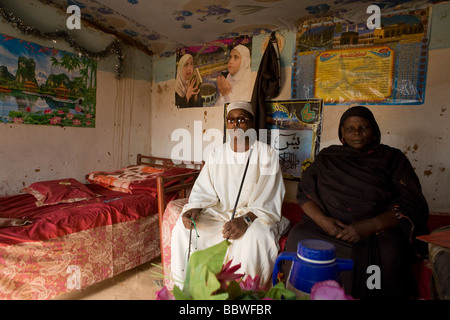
x=207 y=278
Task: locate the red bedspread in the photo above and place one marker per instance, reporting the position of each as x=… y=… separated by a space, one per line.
x=53 y=221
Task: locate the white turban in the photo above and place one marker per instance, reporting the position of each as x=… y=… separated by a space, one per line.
x=247 y=106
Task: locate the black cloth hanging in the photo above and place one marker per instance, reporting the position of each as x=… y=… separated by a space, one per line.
x=267 y=83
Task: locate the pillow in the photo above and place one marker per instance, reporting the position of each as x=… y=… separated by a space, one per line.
x=122 y=180
x=59 y=191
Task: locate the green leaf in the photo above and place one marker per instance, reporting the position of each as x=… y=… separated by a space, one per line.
x=279 y=292
x=234 y=290
x=212 y=258
x=180 y=295
x=206 y=284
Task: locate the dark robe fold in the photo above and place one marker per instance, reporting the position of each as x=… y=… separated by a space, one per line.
x=267 y=83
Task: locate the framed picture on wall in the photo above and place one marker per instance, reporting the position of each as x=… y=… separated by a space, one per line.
x=294 y=128
x=45 y=86
x=214 y=74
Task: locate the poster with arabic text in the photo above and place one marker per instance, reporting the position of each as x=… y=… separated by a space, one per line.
x=294 y=131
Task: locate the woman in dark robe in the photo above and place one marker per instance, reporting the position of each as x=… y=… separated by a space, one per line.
x=366 y=199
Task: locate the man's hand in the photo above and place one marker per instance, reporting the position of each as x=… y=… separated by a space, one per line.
x=234 y=229
x=190 y=215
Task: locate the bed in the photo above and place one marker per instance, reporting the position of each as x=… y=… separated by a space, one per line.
x=63 y=235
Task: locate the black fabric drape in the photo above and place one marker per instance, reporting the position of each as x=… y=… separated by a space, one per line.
x=267 y=83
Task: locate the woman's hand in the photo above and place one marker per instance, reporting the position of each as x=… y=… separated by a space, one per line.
x=191 y=89
x=360 y=230
x=223 y=85
x=357 y=231
x=190 y=215
x=331 y=226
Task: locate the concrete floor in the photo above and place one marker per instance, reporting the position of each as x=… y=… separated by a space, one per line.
x=139 y=283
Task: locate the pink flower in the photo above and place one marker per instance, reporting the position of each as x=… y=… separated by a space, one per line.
x=328 y=290
x=251 y=284
x=89 y=116
x=228 y=274
x=60 y=111
x=164 y=294
x=48 y=111
x=28 y=109
x=55 y=120
x=69 y=116
x=76 y=122
x=18 y=120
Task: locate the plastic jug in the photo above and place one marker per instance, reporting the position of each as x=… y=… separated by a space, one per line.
x=314 y=261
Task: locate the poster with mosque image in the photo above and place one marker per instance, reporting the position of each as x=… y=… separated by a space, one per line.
x=346 y=62
x=45 y=86
x=215 y=73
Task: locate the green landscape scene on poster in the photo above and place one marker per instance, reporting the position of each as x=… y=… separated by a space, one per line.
x=45 y=86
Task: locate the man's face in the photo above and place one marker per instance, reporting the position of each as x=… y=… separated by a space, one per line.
x=239 y=119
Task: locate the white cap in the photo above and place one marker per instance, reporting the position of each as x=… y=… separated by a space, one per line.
x=247 y=106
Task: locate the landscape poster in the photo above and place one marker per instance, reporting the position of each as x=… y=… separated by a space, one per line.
x=45 y=86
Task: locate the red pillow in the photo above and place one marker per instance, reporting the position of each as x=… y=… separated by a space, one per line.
x=59 y=191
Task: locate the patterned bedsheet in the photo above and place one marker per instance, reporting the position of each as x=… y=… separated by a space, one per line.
x=73 y=245
x=70 y=246
x=46 y=269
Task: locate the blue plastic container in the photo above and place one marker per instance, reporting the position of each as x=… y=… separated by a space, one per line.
x=314 y=261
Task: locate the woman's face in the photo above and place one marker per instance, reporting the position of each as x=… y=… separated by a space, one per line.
x=235 y=62
x=188 y=69
x=357 y=132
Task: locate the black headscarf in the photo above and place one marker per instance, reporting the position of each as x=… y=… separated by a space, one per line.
x=363 y=112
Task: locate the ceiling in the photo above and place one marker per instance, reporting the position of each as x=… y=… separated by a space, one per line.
x=162 y=26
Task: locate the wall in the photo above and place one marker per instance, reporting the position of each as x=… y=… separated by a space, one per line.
x=420 y=131
x=30 y=153
x=137 y=114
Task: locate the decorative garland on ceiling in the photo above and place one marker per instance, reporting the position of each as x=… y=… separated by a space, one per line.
x=113 y=48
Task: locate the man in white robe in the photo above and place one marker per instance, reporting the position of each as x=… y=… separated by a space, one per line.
x=254 y=231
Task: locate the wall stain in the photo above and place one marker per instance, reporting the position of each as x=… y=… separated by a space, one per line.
x=412 y=149
x=442 y=111
x=429 y=171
